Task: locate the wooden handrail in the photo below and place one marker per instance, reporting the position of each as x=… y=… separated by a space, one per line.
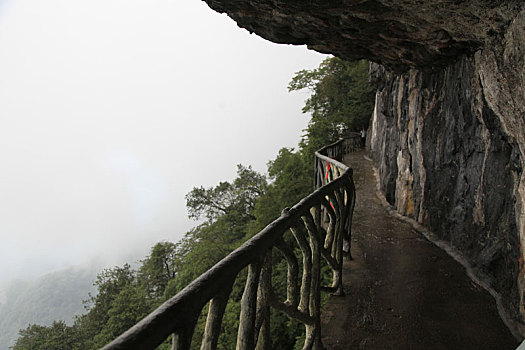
x=331 y=156
x=320 y=225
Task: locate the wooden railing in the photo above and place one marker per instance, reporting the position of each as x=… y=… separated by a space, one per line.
x=318 y=227
x=331 y=156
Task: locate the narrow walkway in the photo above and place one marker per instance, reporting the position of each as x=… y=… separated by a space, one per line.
x=401 y=291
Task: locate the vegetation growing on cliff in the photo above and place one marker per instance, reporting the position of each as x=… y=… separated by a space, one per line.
x=341 y=100
x=232 y=212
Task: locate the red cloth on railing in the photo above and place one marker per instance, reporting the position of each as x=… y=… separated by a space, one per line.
x=327 y=171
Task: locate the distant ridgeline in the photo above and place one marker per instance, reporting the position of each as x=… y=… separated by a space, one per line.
x=55 y=296
x=341 y=102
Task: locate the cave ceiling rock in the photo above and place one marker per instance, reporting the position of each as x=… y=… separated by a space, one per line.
x=398 y=34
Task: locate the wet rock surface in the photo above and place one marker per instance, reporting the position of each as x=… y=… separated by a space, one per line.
x=403 y=292
x=445 y=161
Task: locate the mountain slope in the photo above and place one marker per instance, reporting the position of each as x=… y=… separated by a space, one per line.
x=55 y=296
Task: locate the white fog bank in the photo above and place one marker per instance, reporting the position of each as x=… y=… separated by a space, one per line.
x=111 y=111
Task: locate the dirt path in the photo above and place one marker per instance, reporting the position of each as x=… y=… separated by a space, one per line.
x=402 y=292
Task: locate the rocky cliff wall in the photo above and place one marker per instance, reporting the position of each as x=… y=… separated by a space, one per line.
x=445 y=159
x=448 y=134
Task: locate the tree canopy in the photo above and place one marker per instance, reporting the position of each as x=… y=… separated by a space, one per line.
x=234 y=199
x=341 y=99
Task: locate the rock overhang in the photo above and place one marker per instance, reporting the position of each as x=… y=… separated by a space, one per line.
x=399 y=34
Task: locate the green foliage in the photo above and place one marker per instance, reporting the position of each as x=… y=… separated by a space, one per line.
x=98 y=326
x=58 y=336
x=129 y=307
x=211 y=242
x=341 y=100
x=229 y=208
x=291 y=177
x=236 y=199
x=159 y=268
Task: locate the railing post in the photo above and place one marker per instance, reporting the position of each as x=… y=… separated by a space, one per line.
x=214 y=319
x=181 y=340
x=313 y=330
x=306 y=279
x=292 y=288
x=246 y=332
x=262 y=322
x=347 y=232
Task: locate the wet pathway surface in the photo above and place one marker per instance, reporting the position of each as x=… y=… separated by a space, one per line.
x=403 y=292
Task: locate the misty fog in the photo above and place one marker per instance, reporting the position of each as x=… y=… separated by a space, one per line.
x=111 y=111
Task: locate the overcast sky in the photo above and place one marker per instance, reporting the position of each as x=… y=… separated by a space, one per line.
x=112 y=110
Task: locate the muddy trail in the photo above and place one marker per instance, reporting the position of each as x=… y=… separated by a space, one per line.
x=403 y=292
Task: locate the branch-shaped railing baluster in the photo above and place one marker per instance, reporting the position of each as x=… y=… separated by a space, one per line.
x=313 y=330
x=246 y=334
x=182 y=338
x=347 y=218
x=292 y=288
x=299 y=234
x=214 y=320
x=262 y=322
x=319 y=227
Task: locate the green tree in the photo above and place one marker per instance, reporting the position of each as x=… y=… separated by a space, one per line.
x=58 y=336
x=341 y=100
x=109 y=284
x=158 y=268
x=290 y=174
x=229 y=208
x=236 y=199
x=128 y=307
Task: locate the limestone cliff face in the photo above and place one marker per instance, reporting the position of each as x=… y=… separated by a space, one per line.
x=448 y=132
x=444 y=159
x=450 y=149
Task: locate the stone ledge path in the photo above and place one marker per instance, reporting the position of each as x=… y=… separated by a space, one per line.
x=403 y=292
